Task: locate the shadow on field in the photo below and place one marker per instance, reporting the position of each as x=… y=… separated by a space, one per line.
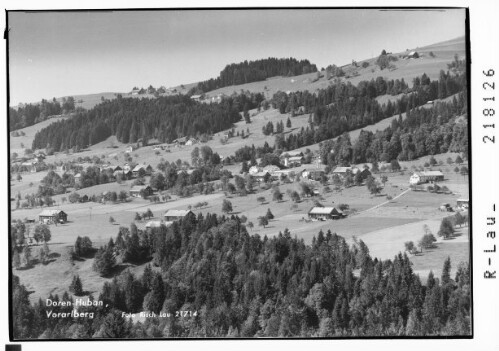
x=117 y=270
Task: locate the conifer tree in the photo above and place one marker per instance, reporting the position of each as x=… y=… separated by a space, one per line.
x=269 y=215
x=104 y=261
x=157 y=294
x=76 y=287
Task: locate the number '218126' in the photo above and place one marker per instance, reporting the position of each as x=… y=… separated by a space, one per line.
x=489 y=111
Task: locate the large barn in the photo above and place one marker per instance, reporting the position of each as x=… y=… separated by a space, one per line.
x=174 y=215
x=325 y=213
x=425 y=177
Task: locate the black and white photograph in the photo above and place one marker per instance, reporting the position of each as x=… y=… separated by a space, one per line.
x=241 y=173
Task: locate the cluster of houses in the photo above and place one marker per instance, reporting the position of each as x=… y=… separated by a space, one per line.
x=342 y=172
x=32 y=164
x=214 y=99
x=126 y=172
x=185 y=141
x=261 y=174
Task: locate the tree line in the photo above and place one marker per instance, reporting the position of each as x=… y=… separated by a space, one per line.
x=255 y=71
x=244 y=285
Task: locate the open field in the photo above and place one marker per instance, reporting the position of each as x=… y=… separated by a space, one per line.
x=384 y=229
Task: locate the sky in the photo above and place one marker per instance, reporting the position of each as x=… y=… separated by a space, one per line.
x=55 y=54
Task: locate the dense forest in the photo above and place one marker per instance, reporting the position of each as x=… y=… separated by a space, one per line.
x=29 y=114
x=243 y=285
x=164 y=118
x=254 y=71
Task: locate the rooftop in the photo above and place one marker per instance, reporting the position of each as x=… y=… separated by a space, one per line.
x=50 y=213
x=323 y=210
x=177 y=213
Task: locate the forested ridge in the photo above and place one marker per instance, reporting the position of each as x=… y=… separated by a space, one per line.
x=254 y=71
x=164 y=118
x=243 y=285
x=342 y=107
x=29 y=114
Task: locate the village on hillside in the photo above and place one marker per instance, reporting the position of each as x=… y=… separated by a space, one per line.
x=275 y=199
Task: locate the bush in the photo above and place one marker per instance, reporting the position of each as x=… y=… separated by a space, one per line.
x=343 y=207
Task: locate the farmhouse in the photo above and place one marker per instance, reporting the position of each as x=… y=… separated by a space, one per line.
x=363 y=173
x=77 y=178
x=196 y=97
x=191 y=141
x=342 y=171
x=254 y=170
x=463 y=203
x=281 y=174
x=138 y=190
x=413 y=55
x=174 y=215
x=147 y=169
x=271 y=168
x=316 y=174
x=425 y=177
x=325 y=213
x=180 y=141
x=124 y=174
x=52 y=216
x=29 y=166
x=260 y=176
x=293 y=161
x=110 y=168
